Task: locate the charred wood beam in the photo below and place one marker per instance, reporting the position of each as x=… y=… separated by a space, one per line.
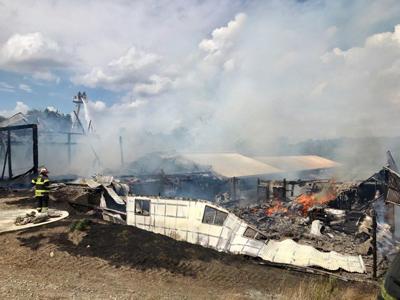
x=35 y=149
x=4 y=165
x=284 y=190
x=19 y=127
x=10 y=174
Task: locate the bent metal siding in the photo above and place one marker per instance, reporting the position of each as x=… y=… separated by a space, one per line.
x=201 y=222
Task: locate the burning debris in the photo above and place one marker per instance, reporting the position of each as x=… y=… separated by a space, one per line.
x=331 y=216
x=202 y=222
x=321 y=219
x=309 y=200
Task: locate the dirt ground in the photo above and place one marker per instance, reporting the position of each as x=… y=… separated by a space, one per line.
x=108 y=261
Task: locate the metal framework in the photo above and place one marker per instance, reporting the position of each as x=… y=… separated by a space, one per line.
x=8 y=155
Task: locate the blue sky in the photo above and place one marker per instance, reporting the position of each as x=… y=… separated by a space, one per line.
x=223 y=70
x=60 y=43
x=40 y=95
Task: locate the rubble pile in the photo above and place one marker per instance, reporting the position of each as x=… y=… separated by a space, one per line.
x=280 y=225
x=36 y=218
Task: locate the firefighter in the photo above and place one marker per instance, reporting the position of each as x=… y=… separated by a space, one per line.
x=42 y=184
x=390 y=289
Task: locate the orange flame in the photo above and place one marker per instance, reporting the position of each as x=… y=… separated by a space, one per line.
x=309 y=200
x=277 y=208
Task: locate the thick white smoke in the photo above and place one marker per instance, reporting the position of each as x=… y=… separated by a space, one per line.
x=275 y=71
x=278 y=70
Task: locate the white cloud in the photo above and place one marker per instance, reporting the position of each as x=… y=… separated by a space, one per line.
x=378 y=50
x=223 y=39
x=25 y=87
x=134 y=60
x=31 y=53
x=122 y=73
x=20 y=107
x=33 y=46
x=147 y=73
x=5 y=87
x=52 y=109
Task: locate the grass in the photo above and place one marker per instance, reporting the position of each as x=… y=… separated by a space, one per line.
x=326 y=289
x=80 y=225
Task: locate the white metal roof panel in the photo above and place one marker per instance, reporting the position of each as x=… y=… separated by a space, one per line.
x=291 y=253
x=298 y=162
x=232 y=164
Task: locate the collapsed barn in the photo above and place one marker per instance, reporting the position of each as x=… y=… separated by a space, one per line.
x=355 y=219
x=331 y=225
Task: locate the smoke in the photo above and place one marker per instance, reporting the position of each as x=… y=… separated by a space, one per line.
x=278 y=70
x=275 y=73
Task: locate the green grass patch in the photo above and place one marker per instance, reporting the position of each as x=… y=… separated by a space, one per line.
x=80 y=225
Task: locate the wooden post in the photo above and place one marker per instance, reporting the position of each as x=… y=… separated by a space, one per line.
x=4 y=165
x=258 y=190
x=374 y=245
x=35 y=149
x=234 y=186
x=10 y=174
x=284 y=190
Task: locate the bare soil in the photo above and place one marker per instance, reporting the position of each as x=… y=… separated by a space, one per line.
x=108 y=261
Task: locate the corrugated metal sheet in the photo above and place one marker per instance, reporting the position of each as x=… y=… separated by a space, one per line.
x=232 y=164
x=298 y=163
x=291 y=253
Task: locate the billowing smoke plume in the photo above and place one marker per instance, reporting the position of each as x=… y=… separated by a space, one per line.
x=278 y=71
x=274 y=74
